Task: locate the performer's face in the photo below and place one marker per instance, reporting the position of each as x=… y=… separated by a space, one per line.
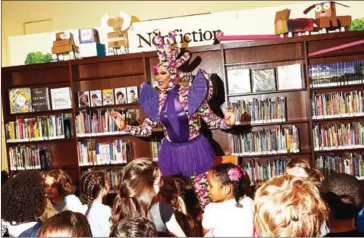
x=162 y=77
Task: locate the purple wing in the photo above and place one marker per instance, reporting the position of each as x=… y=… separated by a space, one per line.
x=149 y=101
x=197 y=92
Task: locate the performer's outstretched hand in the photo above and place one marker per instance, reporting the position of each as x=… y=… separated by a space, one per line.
x=119 y=119
x=230 y=116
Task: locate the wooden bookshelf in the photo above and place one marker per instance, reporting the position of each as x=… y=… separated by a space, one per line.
x=132 y=69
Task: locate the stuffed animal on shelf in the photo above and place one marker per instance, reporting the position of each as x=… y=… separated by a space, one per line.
x=179 y=108
x=64 y=47
x=283 y=25
x=326 y=17
x=117 y=35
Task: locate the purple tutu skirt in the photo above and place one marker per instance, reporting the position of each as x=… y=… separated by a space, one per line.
x=188 y=158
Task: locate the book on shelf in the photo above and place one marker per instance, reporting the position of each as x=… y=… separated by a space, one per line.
x=103 y=153
x=338 y=136
x=100 y=122
x=40 y=99
x=337 y=104
x=290 y=76
x=263 y=80
x=132 y=94
x=349 y=163
x=83 y=99
x=25 y=157
x=107 y=97
x=255 y=111
x=259 y=171
x=39 y=128
x=96 y=98
x=20 y=100
x=336 y=74
x=238 y=81
x=61 y=98
x=278 y=140
x=120 y=95
x=156 y=145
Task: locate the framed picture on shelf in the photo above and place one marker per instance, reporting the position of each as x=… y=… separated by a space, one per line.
x=290 y=76
x=83 y=99
x=107 y=97
x=96 y=98
x=263 y=80
x=132 y=94
x=238 y=81
x=120 y=95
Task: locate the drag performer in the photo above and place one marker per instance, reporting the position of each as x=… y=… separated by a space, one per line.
x=184 y=151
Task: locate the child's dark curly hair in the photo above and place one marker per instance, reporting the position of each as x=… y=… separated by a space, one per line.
x=63 y=181
x=23 y=197
x=229 y=173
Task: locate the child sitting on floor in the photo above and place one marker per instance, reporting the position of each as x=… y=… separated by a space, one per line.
x=231 y=212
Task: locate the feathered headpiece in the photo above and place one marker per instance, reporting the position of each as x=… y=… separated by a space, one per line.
x=169 y=56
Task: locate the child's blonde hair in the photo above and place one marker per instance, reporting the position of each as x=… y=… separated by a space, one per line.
x=289 y=206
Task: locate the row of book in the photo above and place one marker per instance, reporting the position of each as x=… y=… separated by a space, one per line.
x=113 y=152
x=337 y=104
x=350 y=163
x=95 y=98
x=25 y=157
x=273 y=141
x=100 y=122
x=242 y=81
x=258 y=171
x=260 y=111
x=23 y=100
x=338 y=136
x=113 y=175
x=40 y=128
x=336 y=74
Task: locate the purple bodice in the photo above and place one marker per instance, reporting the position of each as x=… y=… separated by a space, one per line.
x=174 y=118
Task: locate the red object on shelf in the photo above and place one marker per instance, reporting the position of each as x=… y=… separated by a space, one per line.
x=339 y=47
x=220 y=36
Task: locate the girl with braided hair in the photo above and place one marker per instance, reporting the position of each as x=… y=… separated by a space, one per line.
x=231 y=211
x=94 y=186
x=179 y=108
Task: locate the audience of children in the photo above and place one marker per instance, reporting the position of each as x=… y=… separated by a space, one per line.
x=59 y=190
x=22 y=202
x=288 y=206
x=134 y=227
x=66 y=224
x=343 y=194
x=300 y=203
x=94 y=186
x=231 y=212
